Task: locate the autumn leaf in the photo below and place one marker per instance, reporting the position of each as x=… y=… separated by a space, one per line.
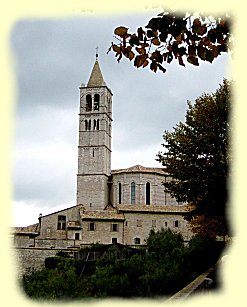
x=193 y=60
x=155 y=42
x=116 y=48
x=131 y=55
x=180 y=61
x=121 y=31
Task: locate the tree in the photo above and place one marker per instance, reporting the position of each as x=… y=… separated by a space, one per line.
x=197 y=160
x=163 y=242
x=169 y=36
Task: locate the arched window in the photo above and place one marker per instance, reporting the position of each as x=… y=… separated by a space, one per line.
x=97 y=124
x=133 y=193
x=88 y=103
x=96 y=102
x=86 y=125
x=148 y=193
x=119 y=193
x=89 y=124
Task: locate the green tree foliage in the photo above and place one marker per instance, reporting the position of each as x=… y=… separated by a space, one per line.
x=163 y=268
x=169 y=37
x=197 y=159
x=58 y=283
x=163 y=242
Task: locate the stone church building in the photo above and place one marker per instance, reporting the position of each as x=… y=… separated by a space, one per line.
x=113 y=206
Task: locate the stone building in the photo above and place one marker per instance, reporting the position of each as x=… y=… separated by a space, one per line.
x=113 y=206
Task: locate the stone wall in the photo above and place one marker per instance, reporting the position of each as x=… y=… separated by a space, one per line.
x=30 y=259
x=103 y=232
x=138 y=225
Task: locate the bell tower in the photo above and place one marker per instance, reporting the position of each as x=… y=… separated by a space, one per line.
x=94 y=148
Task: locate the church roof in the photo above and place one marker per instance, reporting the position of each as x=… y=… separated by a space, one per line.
x=31 y=229
x=152 y=209
x=96 y=78
x=101 y=215
x=140 y=169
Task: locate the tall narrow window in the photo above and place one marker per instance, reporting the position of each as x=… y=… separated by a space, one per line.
x=119 y=193
x=148 y=193
x=88 y=103
x=86 y=125
x=97 y=124
x=96 y=102
x=91 y=226
x=94 y=124
x=89 y=124
x=176 y=224
x=61 y=222
x=133 y=193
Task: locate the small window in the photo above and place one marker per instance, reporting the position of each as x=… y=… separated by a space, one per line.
x=114 y=240
x=61 y=222
x=165 y=224
x=133 y=193
x=137 y=241
x=139 y=223
x=176 y=224
x=77 y=236
x=114 y=227
x=91 y=226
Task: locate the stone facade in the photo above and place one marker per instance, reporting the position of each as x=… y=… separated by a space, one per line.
x=113 y=206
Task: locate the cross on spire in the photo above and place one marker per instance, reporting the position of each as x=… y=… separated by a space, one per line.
x=97 y=52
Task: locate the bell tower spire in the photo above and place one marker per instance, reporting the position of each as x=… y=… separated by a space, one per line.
x=94 y=149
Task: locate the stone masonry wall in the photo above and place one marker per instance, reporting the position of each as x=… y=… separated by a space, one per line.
x=30 y=259
x=138 y=225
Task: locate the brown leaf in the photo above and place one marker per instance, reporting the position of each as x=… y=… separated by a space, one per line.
x=155 y=42
x=145 y=63
x=121 y=31
x=116 y=48
x=180 y=61
x=193 y=60
x=131 y=55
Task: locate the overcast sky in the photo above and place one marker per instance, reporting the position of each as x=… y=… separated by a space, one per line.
x=52 y=57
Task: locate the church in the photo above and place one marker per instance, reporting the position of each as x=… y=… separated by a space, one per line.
x=113 y=206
